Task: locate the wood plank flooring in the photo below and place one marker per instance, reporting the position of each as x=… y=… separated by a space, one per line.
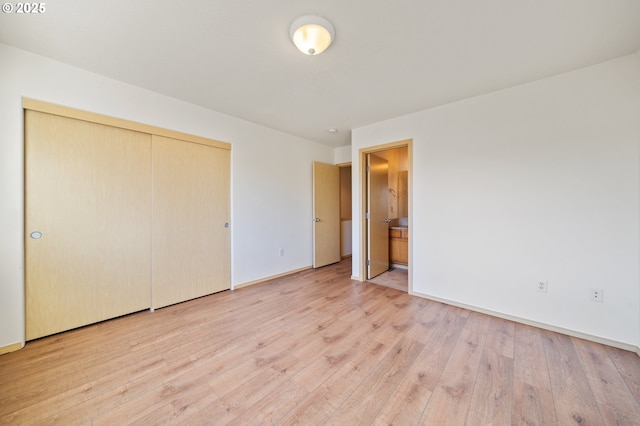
x=395 y=278
x=316 y=348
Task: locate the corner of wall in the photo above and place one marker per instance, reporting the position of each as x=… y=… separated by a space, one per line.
x=342 y=155
x=638 y=133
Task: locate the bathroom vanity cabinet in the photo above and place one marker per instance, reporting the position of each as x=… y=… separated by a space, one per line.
x=399 y=245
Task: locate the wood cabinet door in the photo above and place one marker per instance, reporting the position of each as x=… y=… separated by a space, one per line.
x=191 y=205
x=87 y=222
x=399 y=250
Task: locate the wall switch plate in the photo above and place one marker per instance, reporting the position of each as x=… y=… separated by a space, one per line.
x=281 y=252
x=541 y=286
x=597 y=295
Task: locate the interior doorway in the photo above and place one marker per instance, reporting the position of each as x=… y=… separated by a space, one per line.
x=346 y=241
x=331 y=213
x=326 y=214
x=386 y=231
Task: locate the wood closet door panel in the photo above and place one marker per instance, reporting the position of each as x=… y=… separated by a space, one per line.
x=191 y=245
x=88 y=193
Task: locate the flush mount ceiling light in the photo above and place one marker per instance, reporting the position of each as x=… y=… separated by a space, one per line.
x=311 y=34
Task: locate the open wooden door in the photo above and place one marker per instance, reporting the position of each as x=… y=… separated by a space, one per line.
x=326 y=214
x=377 y=209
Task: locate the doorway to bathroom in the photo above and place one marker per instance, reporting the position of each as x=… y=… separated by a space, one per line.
x=386 y=212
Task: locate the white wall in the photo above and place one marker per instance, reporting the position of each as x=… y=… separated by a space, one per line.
x=271 y=171
x=539 y=182
x=345 y=238
x=342 y=155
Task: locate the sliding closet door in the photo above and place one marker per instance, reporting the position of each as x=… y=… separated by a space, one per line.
x=88 y=210
x=191 y=238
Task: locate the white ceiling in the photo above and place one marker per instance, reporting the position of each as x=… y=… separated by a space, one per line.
x=389 y=58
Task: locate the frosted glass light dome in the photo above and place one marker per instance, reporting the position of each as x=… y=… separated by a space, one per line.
x=311 y=34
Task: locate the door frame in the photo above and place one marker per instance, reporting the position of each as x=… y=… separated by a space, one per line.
x=362 y=162
x=350 y=205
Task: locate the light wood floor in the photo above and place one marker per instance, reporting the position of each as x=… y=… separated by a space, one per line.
x=395 y=278
x=316 y=348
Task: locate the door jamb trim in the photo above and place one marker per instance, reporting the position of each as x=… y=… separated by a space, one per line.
x=362 y=161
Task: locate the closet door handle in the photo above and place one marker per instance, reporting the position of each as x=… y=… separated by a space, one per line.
x=317 y=219
x=36 y=235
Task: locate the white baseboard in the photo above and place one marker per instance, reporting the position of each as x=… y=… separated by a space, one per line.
x=398 y=266
x=261 y=280
x=562 y=330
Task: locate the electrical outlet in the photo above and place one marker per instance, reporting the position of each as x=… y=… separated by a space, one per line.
x=541 y=286
x=281 y=252
x=597 y=295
